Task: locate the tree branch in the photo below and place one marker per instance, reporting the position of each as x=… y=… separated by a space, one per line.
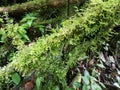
x=34 y=5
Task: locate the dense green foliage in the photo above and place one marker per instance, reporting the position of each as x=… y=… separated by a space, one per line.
x=53 y=55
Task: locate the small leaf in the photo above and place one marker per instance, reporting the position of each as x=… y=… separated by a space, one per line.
x=118 y=78
x=84 y=87
x=16 y=78
x=86 y=73
x=86 y=77
x=57 y=88
x=1 y=32
x=29 y=22
x=41 y=30
x=1 y=20
x=93 y=87
x=3 y=38
x=77 y=84
x=101 y=65
x=117 y=85
x=26 y=37
x=97 y=87
x=102 y=85
x=118 y=72
x=38 y=82
x=86 y=80
x=24 y=26
x=22 y=31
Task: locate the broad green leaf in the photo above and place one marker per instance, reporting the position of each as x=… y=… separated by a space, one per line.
x=16 y=78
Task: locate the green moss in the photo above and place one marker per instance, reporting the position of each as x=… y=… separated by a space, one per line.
x=88 y=29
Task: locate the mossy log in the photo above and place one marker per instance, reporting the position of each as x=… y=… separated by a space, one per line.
x=88 y=29
x=35 y=5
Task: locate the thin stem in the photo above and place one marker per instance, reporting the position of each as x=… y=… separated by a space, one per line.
x=68 y=8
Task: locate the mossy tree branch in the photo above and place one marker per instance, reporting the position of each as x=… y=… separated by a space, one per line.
x=34 y=5
x=45 y=55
